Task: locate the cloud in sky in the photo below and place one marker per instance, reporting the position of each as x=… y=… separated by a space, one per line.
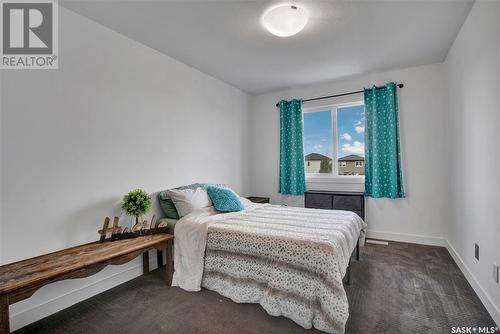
x=318 y=147
x=361 y=120
x=346 y=136
x=355 y=148
x=360 y=129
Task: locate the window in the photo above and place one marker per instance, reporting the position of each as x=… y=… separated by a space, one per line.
x=334 y=132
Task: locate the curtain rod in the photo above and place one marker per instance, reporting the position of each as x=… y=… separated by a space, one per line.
x=337 y=95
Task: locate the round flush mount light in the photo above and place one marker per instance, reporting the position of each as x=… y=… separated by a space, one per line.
x=285 y=20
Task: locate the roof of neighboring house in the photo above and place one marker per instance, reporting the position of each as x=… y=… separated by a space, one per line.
x=352 y=157
x=316 y=156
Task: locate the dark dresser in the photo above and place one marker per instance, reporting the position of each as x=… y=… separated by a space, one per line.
x=336 y=200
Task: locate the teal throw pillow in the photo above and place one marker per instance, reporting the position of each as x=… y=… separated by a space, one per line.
x=224 y=199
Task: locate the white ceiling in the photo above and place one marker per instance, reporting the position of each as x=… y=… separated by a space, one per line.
x=343 y=38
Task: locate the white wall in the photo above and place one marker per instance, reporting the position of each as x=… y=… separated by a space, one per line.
x=473 y=73
x=1 y=185
x=422 y=216
x=115 y=116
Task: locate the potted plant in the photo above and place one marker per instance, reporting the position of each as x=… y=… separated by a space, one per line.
x=136 y=203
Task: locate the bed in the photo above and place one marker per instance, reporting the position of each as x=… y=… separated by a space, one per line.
x=289 y=260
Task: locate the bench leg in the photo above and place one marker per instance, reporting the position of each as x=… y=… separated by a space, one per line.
x=170 y=262
x=4 y=314
x=159 y=257
x=145 y=263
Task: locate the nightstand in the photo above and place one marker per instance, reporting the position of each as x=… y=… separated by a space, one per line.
x=257 y=199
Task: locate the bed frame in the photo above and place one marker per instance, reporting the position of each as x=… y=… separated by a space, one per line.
x=348 y=271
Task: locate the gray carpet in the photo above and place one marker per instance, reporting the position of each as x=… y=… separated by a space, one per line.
x=400 y=288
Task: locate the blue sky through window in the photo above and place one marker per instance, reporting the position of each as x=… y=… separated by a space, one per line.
x=350 y=131
x=318 y=132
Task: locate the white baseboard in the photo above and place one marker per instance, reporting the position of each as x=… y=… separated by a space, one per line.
x=42 y=310
x=485 y=298
x=406 y=237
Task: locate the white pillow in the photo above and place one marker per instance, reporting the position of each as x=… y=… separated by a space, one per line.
x=188 y=200
x=246 y=202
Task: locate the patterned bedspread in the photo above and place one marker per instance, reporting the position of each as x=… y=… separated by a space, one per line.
x=289 y=260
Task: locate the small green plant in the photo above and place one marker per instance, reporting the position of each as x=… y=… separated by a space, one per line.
x=136 y=203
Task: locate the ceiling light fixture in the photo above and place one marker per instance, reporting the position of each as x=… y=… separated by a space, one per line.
x=285 y=20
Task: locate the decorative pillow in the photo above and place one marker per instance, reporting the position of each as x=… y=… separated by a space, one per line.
x=168 y=206
x=224 y=199
x=188 y=200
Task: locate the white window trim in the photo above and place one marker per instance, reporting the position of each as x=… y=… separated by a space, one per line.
x=361 y=164
x=345 y=179
x=333 y=177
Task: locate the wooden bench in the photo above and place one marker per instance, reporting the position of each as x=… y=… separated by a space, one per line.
x=19 y=280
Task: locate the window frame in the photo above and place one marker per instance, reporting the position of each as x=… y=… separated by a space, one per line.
x=361 y=164
x=333 y=177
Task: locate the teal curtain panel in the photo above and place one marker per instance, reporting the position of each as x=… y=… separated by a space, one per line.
x=383 y=172
x=292 y=173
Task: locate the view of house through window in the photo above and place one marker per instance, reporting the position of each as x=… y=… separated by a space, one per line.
x=335 y=133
